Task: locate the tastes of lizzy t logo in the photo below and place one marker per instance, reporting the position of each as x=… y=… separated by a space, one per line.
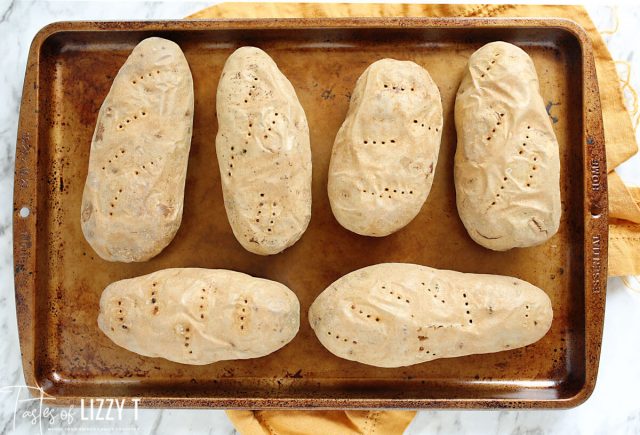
x=32 y=408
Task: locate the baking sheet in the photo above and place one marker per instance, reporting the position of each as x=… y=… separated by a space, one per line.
x=59 y=278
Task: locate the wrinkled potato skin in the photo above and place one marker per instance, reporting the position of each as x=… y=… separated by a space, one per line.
x=133 y=196
x=263 y=152
x=199 y=316
x=507 y=164
x=385 y=154
x=397 y=314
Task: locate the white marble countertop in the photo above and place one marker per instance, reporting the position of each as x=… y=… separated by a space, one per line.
x=613 y=408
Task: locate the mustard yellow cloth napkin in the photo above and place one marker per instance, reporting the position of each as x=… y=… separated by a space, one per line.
x=320 y=422
x=624 y=234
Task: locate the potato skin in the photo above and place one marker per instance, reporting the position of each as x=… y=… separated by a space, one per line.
x=384 y=156
x=199 y=316
x=507 y=165
x=134 y=192
x=263 y=152
x=398 y=314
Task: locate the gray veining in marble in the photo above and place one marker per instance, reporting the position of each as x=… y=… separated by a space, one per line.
x=614 y=407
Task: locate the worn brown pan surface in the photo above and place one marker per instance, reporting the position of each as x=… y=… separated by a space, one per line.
x=59 y=278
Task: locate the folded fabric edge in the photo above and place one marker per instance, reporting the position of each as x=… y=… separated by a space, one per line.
x=337 y=422
x=624 y=239
x=622 y=204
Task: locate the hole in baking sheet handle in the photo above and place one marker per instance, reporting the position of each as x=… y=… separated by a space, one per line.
x=24 y=212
